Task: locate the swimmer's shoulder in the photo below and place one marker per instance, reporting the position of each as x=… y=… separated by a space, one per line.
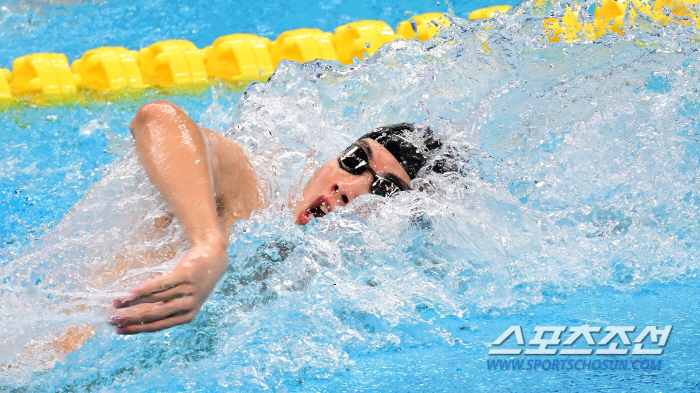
x=235 y=181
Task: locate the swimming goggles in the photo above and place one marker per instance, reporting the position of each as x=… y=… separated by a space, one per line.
x=354 y=160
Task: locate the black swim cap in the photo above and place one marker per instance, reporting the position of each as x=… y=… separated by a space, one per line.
x=408 y=143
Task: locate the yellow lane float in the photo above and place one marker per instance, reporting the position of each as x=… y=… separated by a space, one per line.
x=172 y=62
x=243 y=58
x=108 y=68
x=363 y=37
x=424 y=26
x=610 y=17
x=45 y=73
x=239 y=58
x=666 y=11
x=303 y=45
x=5 y=79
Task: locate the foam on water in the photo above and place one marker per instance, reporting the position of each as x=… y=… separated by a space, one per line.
x=576 y=169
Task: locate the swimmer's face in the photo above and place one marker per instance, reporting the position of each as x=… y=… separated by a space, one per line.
x=332 y=186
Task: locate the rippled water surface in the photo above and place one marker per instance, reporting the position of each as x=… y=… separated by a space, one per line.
x=574 y=201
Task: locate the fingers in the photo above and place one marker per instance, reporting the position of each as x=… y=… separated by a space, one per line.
x=157 y=325
x=172 y=299
x=151 y=312
x=168 y=294
x=155 y=286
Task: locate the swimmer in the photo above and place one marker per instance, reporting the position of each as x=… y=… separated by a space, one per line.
x=210 y=183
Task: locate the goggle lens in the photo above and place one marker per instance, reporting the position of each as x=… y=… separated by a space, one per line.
x=384 y=187
x=354 y=160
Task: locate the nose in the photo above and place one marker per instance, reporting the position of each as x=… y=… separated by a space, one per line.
x=350 y=187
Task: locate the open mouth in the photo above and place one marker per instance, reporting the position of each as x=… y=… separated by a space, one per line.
x=317 y=209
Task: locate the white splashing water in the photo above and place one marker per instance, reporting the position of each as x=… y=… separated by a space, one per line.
x=577 y=167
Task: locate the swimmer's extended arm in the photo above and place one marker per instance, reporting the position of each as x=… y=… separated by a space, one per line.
x=186 y=163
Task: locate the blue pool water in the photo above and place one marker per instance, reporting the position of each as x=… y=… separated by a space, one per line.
x=575 y=202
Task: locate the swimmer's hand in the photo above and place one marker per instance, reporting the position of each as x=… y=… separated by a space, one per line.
x=175 y=298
